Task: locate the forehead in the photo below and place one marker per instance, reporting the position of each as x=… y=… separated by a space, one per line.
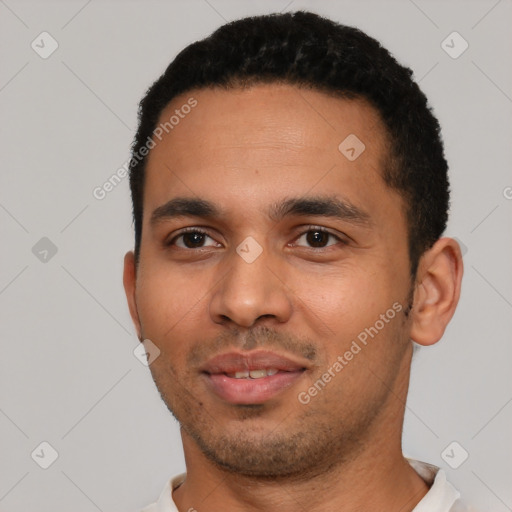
x=265 y=140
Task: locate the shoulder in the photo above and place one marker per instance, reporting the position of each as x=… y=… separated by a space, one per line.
x=165 y=502
x=442 y=495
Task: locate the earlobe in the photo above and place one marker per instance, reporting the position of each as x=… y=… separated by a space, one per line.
x=129 y=281
x=437 y=291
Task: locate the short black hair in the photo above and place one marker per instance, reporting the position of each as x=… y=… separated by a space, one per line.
x=310 y=51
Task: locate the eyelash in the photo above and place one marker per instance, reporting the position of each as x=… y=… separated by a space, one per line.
x=205 y=233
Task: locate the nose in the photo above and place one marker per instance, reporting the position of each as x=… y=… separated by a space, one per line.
x=250 y=291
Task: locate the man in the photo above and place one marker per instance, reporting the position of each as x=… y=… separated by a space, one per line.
x=289 y=195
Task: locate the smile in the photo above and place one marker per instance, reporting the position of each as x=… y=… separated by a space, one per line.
x=251 y=378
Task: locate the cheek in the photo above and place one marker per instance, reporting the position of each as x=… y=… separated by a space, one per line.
x=343 y=301
x=343 y=312
x=168 y=303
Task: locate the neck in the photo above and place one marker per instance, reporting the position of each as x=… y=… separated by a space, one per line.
x=378 y=481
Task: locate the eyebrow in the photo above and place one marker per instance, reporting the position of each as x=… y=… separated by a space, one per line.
x=321 y=206
x=302 y=206
x=184 y=207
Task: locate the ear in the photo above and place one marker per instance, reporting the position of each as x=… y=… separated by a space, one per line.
x=437 y=291
x=129 y=280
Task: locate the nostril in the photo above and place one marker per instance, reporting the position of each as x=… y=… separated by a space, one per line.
x=265 y=316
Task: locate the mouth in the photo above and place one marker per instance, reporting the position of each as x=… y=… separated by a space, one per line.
x=251 y=378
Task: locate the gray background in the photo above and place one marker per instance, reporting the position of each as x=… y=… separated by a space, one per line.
x=68 y=375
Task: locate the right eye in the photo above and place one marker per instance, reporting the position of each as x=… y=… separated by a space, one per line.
x=191 y=238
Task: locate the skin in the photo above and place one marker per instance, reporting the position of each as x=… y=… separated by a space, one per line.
x=245 y=150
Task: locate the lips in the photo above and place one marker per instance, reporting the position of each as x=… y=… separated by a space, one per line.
x=235 y=362
x=251 y=378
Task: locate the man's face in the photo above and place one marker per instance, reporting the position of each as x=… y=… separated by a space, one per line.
x=295 y=250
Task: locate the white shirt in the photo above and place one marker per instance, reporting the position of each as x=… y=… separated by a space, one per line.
x=442 y=496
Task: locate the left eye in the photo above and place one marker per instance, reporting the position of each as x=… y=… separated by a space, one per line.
x=318 y=238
